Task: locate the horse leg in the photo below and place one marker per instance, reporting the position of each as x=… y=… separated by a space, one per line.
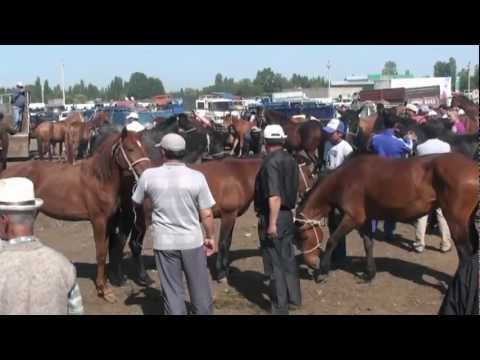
x=101 y=247
x=371 y=269
x=117 y=240
x=224 y=243
x=139 y=228
x=242 y=141
x=235 y=142
x=50 y=144
x=346 y=225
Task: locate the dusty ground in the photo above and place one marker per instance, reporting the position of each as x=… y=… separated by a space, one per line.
x=406 y=282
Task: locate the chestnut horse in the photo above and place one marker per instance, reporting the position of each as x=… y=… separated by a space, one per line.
x=89 y=190
x=446 y=181
x=471 y=110
x=48 y=134
x=240 y=128
x=78 y=136
x=232 y=183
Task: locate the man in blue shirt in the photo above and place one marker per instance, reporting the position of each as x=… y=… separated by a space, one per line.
x=387 y=145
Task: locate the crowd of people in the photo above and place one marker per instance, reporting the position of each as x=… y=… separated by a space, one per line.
x=36 y=279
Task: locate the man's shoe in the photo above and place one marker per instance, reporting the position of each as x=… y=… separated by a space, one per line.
x=223 y=281
x=418 y=247
x=293 y=307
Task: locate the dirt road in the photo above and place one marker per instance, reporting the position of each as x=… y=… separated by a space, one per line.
x=406 y=282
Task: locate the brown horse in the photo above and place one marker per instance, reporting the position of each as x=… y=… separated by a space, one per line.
x=305 y=136
x=89 y=190
x=240 y=128
x=471 y=110
x=79 y=134
x=232 y=183
x=448 y=181
x=48 y=134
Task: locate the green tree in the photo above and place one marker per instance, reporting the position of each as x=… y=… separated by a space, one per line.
x=452 y=66
x=463 y=79
x=218 y=80
x=390 y=68
x=116 y=89
x=269 y=81
x=36 y=91
x=446 y=69
x=47 y=91
x=299 y=81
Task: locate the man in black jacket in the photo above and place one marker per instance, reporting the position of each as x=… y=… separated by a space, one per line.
x=276 y=188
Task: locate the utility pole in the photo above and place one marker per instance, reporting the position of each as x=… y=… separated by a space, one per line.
x=63 y=83
x=328 y=77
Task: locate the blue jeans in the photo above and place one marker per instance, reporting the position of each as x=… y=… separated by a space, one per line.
x=389 y=228
x=17 y=117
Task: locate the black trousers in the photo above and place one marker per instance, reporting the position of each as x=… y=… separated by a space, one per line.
x=280 y=263
x=339 y=255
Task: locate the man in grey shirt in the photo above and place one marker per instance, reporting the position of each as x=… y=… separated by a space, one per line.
x=180 y=196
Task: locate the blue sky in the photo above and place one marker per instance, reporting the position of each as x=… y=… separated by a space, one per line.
x=195 y=66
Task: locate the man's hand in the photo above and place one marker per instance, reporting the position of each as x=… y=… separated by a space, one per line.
x=272 y=231
x=209 y=246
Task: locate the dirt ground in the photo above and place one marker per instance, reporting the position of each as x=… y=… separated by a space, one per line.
x=406 y=282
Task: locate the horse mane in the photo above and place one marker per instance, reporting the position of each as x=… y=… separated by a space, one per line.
x=100 y=165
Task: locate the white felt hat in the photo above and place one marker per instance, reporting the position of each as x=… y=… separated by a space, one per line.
x=17 y=194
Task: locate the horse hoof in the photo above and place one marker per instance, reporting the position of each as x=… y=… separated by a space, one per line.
x=320 y=278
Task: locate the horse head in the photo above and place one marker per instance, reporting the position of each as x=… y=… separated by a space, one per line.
x=130 y=154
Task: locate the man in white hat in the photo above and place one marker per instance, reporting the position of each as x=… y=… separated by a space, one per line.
x=18 y=105
x=335 y=153
x=133 y=116
x=133 y=124
x=276 y=190
x=180 y=197
x=34 y=279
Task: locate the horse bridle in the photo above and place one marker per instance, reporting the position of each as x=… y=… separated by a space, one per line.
x=313 y=225
x=304 y=178
x=131 y=165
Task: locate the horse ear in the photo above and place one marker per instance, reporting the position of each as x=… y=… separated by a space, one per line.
x=124 y=132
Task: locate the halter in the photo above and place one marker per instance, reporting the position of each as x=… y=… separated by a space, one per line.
x=300 y=169
x=131 y=165
x=314 y=224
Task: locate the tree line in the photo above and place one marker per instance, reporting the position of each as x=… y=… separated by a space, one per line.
x=266 y=81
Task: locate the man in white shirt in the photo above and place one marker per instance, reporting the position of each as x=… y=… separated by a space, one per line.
x=180 y=197
x=432 y=146
x=336 y=151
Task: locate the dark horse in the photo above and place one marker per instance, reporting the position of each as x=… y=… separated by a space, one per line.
x=89 y=190
x=304 y=136
x=448 y=181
